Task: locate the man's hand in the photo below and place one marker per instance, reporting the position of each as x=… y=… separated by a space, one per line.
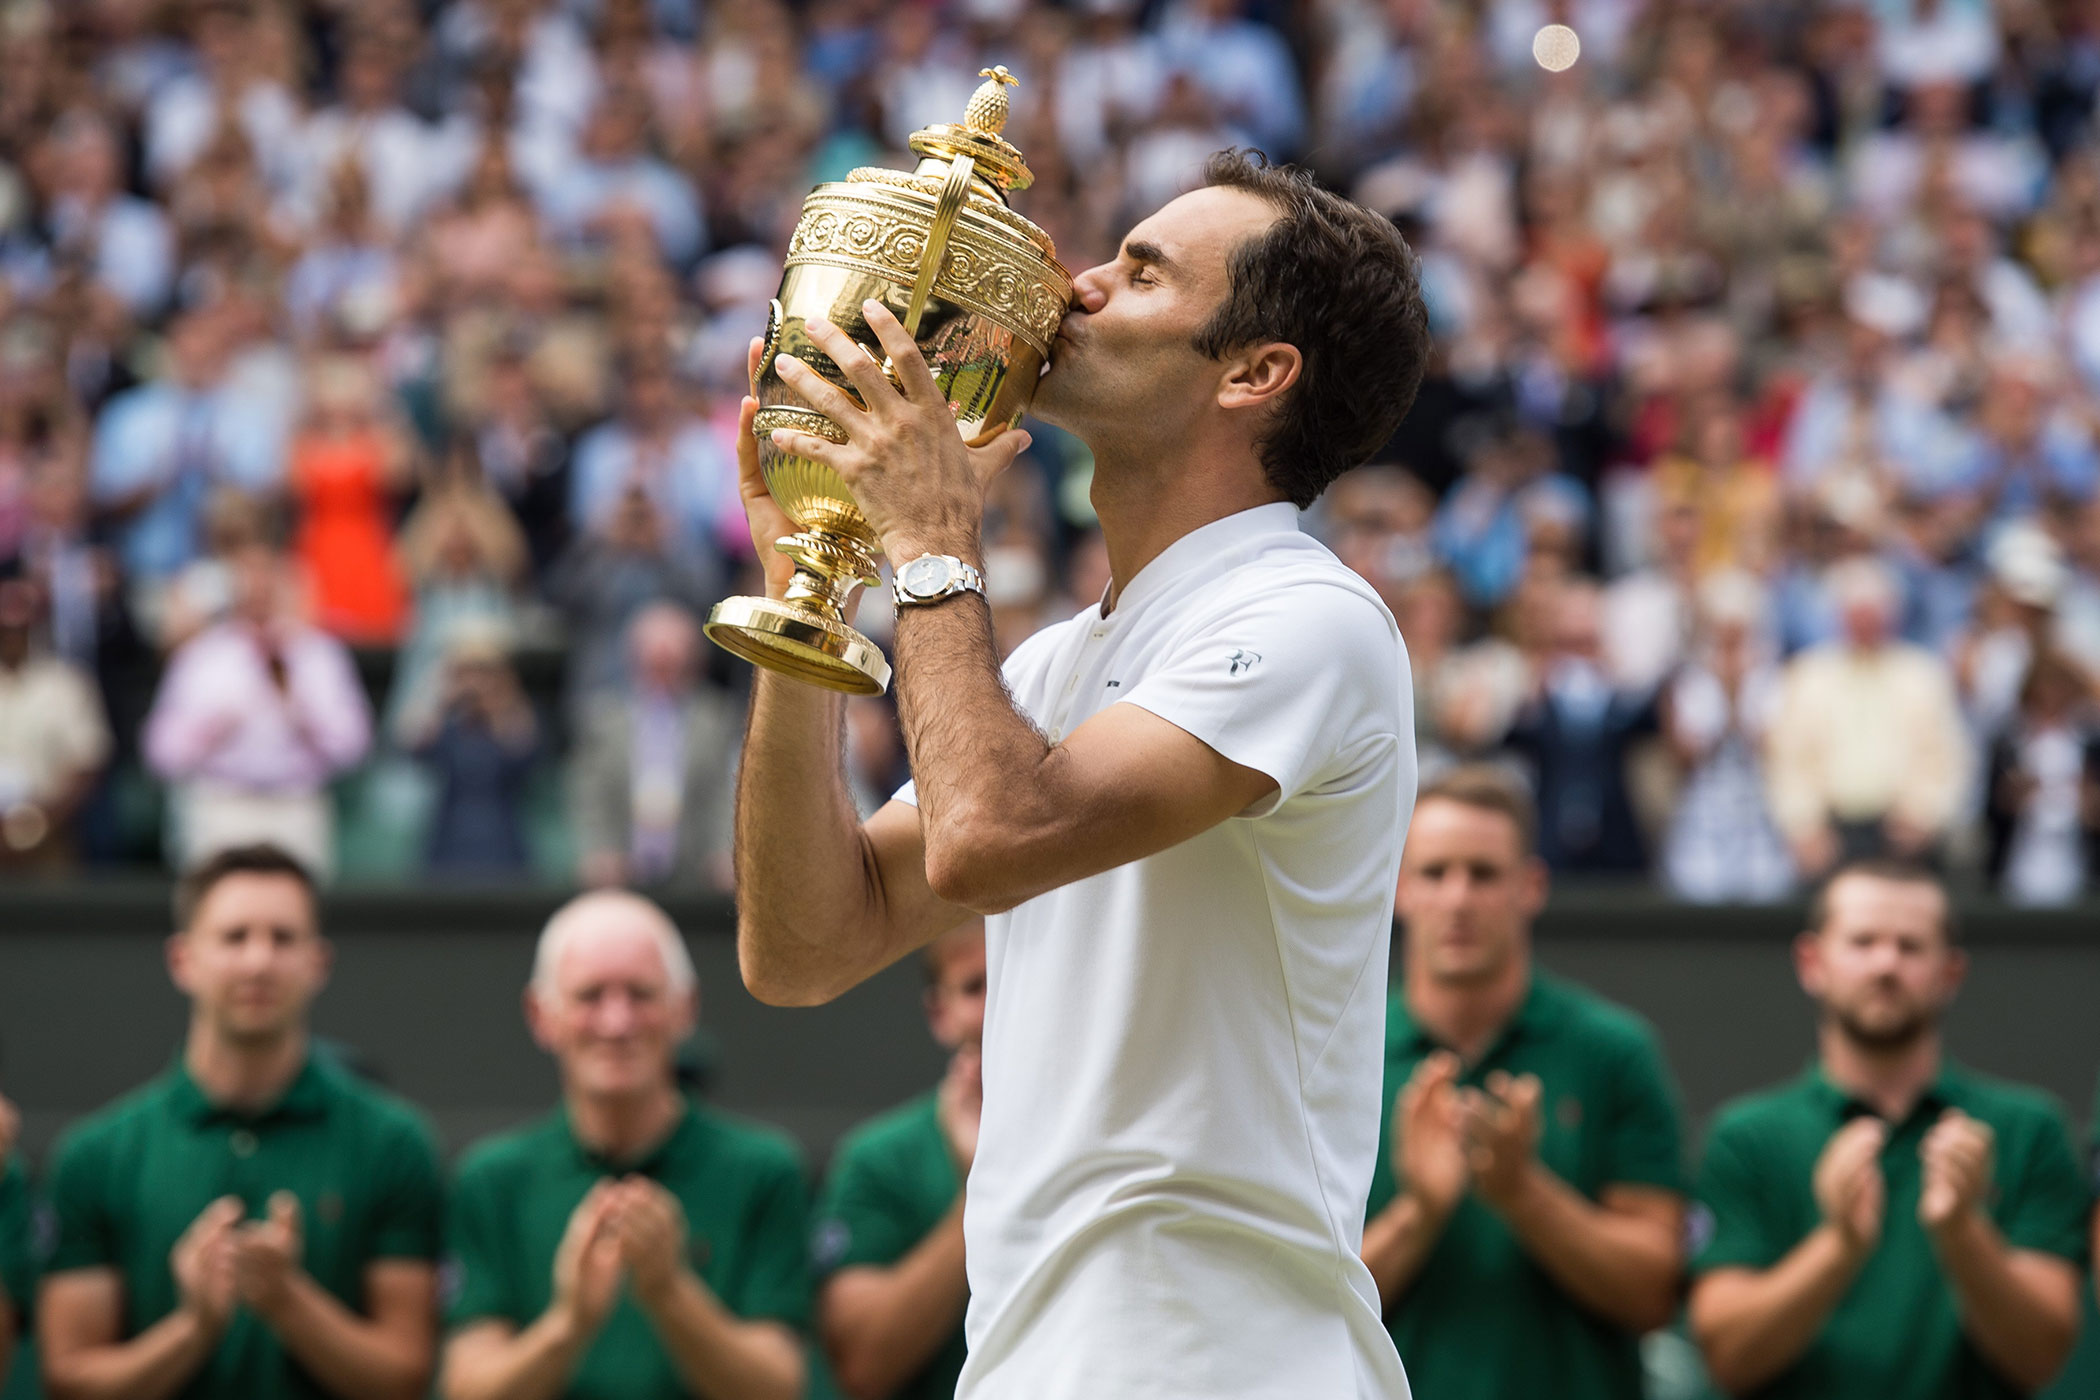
x=1958 y=1157
x=649 y=1225
x=267 y=1255
x=1849 y=1187
x=768 y=521
x=1815 y=851
x=960 y=1106
x=203 y=1265
x=1429 y=1145
x=588 y=1263
x=1502 y=1135
x=919 y=484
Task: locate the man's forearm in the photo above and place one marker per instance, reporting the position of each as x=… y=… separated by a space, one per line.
x=975 y=759
x=151 y=1366
x=1397 y=1242
x=2020 y=1308
x=718 y=1354
x=535 y=1364
x=350 y=1356
x=881 y=1326
x=1754 y=1325
x=1619 y=1266
x=803 y=877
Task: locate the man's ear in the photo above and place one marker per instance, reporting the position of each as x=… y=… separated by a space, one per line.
x=1257 y=376
x=178 y=950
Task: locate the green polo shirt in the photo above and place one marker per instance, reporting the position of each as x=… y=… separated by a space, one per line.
x=17 y=1273
x=745 y=1206
x=891 y=1182
x=126 y=1182
x=1482 y=1321
x=1896 y=1335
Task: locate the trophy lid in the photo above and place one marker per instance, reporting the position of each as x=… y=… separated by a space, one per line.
x=998 y=163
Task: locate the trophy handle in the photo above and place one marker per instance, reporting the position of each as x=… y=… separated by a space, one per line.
x=954 y=194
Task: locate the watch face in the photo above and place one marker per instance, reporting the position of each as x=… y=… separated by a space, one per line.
x=925 y=576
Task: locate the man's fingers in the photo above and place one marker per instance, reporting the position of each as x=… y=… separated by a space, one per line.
x=910 y=366
x=754 y=360
x=1000 y=453
x=749 y=475
x=835 y=455
x=820 y=393
x=854 y=362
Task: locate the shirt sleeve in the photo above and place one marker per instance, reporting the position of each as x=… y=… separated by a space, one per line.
x=1283 y=682
x=1730 y=1227
x=17 y=1271
x=84 y=1232
x=478 y=1269
x=775 y=1282
x=860 y=1216
x=2046 y=1205
x=409 y=1212
x=1645 y=1142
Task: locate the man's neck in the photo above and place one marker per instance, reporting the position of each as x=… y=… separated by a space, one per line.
x=1469 y=1016
x=245 y=1076
x=1888 y=1080
x=628 y=1127
x=1145 y=507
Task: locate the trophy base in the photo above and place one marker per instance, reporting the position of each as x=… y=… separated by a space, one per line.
x=799 y=643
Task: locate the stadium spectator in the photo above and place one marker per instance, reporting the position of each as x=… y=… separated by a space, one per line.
x=631 y=1243
x=163 y=448
x=254 y=717
x=479 y=753
x=659 y=447
x=608 y=576
x=348 y=465
x=1721 y=845
x=54 y=740
x=651 y=779
x=1576 y=731
x=257 y=1221
x=465 y=558
x=1866 y=751
x=1528 y=1202
x=1891 y=1223
x=2042 y=788
x=17 y=1264
x=889 y=1231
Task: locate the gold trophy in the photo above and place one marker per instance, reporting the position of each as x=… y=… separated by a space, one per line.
x=981 y=291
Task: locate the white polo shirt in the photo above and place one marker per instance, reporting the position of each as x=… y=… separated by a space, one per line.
x=1183 y=1055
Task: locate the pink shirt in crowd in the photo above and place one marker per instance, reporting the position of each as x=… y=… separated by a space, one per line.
x=221 y=718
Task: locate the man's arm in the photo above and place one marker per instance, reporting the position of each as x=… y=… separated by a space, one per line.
x=718 y=1354
x=385 y=1354
x=1754 y=1324
x=2019 y=1306
x=493 y=1360
x=80 y=1316
x=1429 y=1162
x=881 y=1325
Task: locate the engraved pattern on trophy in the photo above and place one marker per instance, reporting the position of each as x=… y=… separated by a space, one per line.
x=988 y=315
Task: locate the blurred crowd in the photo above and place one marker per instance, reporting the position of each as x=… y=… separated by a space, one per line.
x=368 y=373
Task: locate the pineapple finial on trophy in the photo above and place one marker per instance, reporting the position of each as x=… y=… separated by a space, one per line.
x=988 y=105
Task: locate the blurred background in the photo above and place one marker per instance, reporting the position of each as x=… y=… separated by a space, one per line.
x=367 y=370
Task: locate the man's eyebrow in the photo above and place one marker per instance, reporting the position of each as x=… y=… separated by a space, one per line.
x=1151 y=254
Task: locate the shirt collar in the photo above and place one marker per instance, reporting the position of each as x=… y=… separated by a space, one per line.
x=305 y=1101
x=1947 y=1090
x=651 y=1163
x=1206 y=547
x=1536 y=1015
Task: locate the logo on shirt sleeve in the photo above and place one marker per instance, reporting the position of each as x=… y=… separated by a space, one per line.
x=1242 y=660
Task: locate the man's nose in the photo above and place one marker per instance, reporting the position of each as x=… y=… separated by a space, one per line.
x=1089 y=288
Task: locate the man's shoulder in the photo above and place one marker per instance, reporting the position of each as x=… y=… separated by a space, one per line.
x=745 y=1145
x=377 y=1111
x=503 y=1158
x=2006 y=1104
x=1596 y=1020
x=1775 y=1110
x=892 y=1135
x=113 y=1127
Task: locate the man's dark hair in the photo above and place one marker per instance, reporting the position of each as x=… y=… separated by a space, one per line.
x=1890 y=868
x=1338 y=282
x=259 y=859
x=1487 y=788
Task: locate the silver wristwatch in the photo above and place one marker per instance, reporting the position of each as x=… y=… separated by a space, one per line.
x=932 y=577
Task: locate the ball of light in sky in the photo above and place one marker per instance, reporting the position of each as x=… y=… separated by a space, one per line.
x=1556 y=47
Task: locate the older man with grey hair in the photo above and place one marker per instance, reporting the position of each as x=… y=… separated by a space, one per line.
x=1866 y=754
x=632 y=1242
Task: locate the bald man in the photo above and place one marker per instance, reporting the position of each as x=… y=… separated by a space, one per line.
x=631 y=1244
